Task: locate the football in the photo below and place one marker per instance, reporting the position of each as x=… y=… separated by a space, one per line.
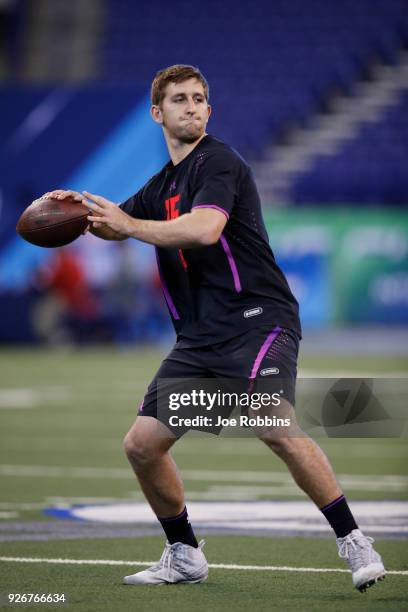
x=53 y=223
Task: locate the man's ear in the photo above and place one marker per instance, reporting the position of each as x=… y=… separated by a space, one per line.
x=156 y=114
x=209 y=113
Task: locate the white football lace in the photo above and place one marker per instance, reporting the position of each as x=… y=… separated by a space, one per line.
x=349 y=544
x=167 y=560
x=169 y=553
x=163 y=561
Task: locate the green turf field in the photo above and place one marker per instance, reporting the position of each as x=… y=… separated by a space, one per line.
x=62 y=418
x=97 y=587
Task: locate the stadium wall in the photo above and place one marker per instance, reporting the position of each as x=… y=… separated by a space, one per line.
x=345 y=265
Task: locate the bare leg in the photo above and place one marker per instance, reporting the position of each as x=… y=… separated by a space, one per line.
x=147 y=446
x=306 y=461
x=310 y=468
x=159 y=478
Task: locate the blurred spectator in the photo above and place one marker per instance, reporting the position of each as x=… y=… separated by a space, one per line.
x=67 y=310
x=134 y=300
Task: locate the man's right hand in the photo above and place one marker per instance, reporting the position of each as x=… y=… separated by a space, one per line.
x=104 y=232
x=61 y=194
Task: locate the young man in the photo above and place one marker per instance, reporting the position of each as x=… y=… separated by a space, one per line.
x=232 y=310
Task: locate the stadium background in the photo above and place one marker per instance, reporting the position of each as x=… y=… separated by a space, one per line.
x=315 y=96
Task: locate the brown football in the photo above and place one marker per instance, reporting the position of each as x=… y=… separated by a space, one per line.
x=53 y=223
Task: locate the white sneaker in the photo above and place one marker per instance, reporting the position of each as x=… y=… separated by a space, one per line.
x=365 y=563
x=178 y=563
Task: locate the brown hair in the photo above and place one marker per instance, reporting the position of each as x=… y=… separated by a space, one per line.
x=175 y=74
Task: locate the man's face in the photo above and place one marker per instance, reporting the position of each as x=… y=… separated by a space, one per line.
x=184 y=111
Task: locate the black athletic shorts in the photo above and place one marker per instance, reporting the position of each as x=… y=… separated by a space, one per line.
x=268 y=355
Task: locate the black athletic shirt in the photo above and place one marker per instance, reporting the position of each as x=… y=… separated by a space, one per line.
x=219 y=291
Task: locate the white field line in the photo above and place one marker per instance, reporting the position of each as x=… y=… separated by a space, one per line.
x=232 y=493
x=341 y=373
x=229 y=566
x=135 y=496
x=31 y=398
x=359 y=481
x=11 y=506
x=192 y=446
x=368 y=450
x=8 y=515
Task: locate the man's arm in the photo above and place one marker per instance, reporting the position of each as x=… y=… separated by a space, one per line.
x=105 y=232
x=201 y=227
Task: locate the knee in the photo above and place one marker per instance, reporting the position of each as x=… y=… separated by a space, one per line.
x=282 y=446
x=139 y=452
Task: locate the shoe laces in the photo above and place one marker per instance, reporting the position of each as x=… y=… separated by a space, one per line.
x=164 y=561
x=172 y=551
x=352 y=543
x=177 y=549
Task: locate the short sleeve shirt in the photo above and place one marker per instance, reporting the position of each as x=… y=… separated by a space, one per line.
x=216 y=292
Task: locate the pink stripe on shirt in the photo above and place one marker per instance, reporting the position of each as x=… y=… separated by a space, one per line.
x=215 y=206
x=233 y=265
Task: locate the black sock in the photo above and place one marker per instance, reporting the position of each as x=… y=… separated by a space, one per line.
x=339 y=516
x=178 y=529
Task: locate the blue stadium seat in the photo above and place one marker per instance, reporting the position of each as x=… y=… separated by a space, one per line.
x=273 y=60
x=370 y=169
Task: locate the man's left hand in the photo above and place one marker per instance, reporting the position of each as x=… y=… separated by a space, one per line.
x=107 y=213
